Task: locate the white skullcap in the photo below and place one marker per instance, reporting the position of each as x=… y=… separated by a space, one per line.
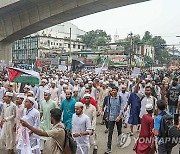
x=31 y=99
x=149 y=107
x=65 y=86
x=44 y=80
x=53 y=82
x=79 y=104
x=62 y=80
x=68 y=90
x=31 y=92
x=101 y=81
x=87 y=95
x=26 y=86
x=66 y=81
x=104 y=83
x=75 y=89
x=143 y=81
x=110 y=80
x=20 y=95
x=0 y=82
x=9 y=94
x=122 y=79
x=90 y=82
x=47 y=92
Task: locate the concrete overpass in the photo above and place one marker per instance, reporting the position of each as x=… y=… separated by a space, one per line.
x=19 y=18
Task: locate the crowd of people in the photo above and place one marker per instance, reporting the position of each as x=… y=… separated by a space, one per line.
x=31 y=121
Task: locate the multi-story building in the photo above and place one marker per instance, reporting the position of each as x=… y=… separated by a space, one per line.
x=51 y=41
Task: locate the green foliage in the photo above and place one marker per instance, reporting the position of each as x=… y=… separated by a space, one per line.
x=148 y=61
x=147 y=37
x=96 y=38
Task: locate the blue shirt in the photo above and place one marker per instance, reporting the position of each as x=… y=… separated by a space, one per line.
x=68 y=109
x=157 y=121
x=115 y=107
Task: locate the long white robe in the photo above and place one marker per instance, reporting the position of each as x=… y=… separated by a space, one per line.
x=7 y=138
x=80 y=124
x=32 y=117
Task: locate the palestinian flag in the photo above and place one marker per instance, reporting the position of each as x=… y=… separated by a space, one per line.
x=23 y=76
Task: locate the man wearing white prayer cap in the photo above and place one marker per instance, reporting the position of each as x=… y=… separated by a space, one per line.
x=54 y=92
x=19 y=112
x=81 y=129
x=147 y=124
x=32 y=117
x=40 y=92
x=76 y=94
x=45 y=107
x=8 y=120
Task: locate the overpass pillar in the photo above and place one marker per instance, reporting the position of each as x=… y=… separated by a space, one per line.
x=5 y=52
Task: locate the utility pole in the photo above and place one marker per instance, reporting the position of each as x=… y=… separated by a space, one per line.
x=173 y=53
x=131 y=48
x=70 y=43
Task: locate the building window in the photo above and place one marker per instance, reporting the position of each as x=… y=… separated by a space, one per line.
x=74 y=46
x=79 y=46
x=68 y=45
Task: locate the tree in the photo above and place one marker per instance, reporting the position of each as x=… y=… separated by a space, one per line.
x=96 y=38
x=147 y=37
x=161 y=53
x=148 y=61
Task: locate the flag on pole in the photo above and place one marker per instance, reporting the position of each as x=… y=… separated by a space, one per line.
x=23 y=76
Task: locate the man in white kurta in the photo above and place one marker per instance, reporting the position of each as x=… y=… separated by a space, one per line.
x=19 y=113
x=32 y=117
x=90 y=111
x=2 y=91
x=41 y=89
x=8 y=115
x=54 y=92
x=81 y=129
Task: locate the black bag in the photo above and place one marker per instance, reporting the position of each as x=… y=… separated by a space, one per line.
x=70 y=145
x=168 y=132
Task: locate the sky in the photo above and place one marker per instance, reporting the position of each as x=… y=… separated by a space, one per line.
x=160 y=17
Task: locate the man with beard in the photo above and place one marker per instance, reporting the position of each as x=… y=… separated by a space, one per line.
x=90 y=111
x=57 y=134
x=46 y=105
x=67 y=107
x=7 y=122
x=125 y=96
x=172 y=95
x=81 y=129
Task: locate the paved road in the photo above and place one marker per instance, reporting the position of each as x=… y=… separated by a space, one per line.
x=102 y=140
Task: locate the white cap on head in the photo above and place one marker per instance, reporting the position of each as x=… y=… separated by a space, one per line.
x=65 y=86
x=79 y=104
x=66 y=81
x=101 y=81
x=0 y=82
x=21 y=95
x=62 y=80
x=26 y=86
x=53 y=82
x=47 y=92
x=104 y=83
x=149 y=107
x=90 y=82
x=9 y=94
x=31 y=99
x=44 y=80
x=30 y=91
x=143 y=81
x=75 y=89
x=68 y=90
x=87 y=95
